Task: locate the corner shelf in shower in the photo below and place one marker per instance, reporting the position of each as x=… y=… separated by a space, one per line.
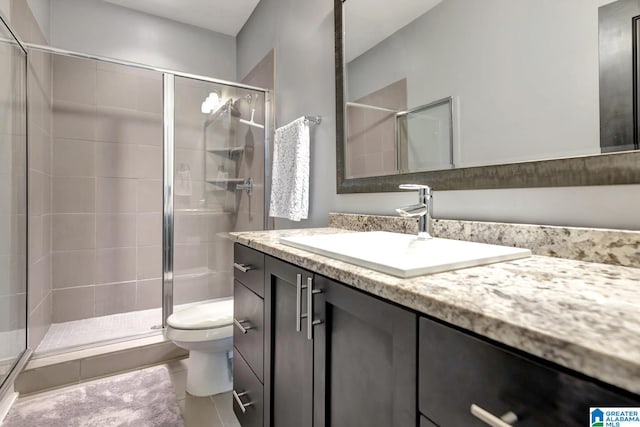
x=225 y=183
x=227 y=151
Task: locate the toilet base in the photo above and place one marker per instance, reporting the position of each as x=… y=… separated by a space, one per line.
x=208 y=373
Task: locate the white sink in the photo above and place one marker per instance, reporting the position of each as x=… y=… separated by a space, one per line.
x=404 y=255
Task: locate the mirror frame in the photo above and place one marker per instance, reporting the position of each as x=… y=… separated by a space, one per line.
x=599 y=169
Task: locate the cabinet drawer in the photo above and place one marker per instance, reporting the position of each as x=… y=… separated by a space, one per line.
x=249 y=268
x=248 y=391
x=248 y=330
x=458 y=371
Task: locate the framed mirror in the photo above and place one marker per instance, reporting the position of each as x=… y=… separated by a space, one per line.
x=491 y=94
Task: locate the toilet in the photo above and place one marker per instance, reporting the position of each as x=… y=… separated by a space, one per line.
x=206 y=330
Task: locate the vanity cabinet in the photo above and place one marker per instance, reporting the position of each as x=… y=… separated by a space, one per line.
x=290 y=352
x=364 y=359
x=248 y=336
x=464 y=379
x=333 y=356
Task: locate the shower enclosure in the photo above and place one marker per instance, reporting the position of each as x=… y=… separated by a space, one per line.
x=150 y=169
x=13 y=208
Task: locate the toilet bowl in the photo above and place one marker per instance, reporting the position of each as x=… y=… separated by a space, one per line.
x=206 y=330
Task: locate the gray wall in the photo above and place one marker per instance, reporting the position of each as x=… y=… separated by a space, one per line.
x=41 y=10
x=100 y=28
x=302 y=33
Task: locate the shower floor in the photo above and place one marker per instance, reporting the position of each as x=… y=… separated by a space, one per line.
x=86 y=332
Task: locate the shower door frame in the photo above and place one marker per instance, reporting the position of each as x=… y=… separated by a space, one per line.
x=168 y=99
x=6 y=383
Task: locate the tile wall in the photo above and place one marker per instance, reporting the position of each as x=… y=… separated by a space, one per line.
x=106 y=189
x=13 y=292
x=39 y=191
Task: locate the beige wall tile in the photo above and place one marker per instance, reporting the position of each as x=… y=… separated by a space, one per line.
x=73 y=158
x=116 y=195
x=36 y=237
x=39 y=322
x=149 y=294
x=115 y=230
x=128 y=126
x=219 y=223
x=189 y=136
x=149 y=162
x=72 y=303
x=191 y=228
x=39 y=281
x=74 y=80
x=73 y=232
x=116 y=160
x=39 y=193
x=73 y=195
x=39 y=150
x=188 y=289
x=190 y=258
x=149 y=93
x=73 y=268
x=115 y=89
x=48 y=377
x=194 y=160
x=149 y=229
x=149 y=196
x=74 y=121
x=115 y=265
x=149 y=262
x=221 y=255
x=115 y=298
x=220 y=285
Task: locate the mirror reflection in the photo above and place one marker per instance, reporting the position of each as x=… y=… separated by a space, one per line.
x=440 y=84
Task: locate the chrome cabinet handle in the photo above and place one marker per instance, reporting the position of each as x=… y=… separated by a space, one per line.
x=299 y=314
x=310 y=322
x=237 y=396
x=243 y=267
x=488 y=418
x=239 y=325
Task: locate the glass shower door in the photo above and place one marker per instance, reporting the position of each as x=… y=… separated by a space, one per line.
x=13 y=234
x=218 y=182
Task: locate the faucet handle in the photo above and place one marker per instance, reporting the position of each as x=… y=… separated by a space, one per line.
x=414 y=187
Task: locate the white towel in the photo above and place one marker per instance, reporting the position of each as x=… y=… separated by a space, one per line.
x=290 y=172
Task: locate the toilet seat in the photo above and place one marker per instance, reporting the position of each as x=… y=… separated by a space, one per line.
x=210 y=315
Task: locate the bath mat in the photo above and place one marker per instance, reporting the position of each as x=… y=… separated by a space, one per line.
x=144 y=398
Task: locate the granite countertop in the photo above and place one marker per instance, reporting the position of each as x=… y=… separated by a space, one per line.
x=581 y=315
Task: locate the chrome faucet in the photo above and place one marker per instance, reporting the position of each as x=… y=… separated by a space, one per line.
x=422 y=210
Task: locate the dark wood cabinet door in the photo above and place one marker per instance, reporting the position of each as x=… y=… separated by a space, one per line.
x=290 y=376
x=458 y=370
x=364 y=361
